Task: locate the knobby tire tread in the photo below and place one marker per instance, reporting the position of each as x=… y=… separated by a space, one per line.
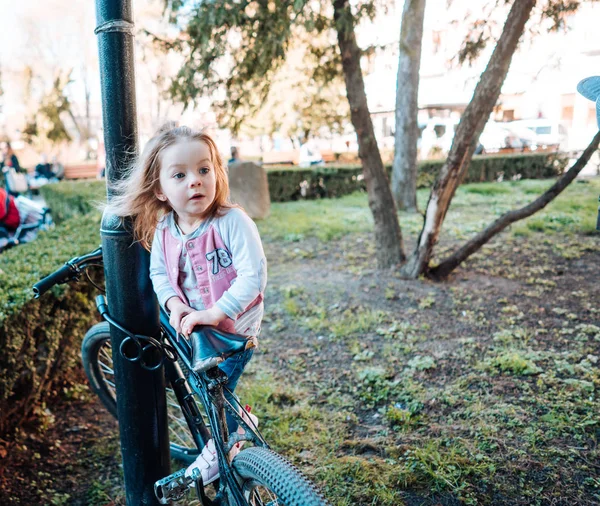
x=276 y=473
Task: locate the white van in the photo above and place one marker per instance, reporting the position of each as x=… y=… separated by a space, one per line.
x=436 y=137
x=549 y=134
x=438 y=134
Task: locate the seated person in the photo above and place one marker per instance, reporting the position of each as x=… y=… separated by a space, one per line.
x=9 y=159
x=235 y=155
x=309 y=155
x=9 y=214
x=20 y=218
x=58 y=169
x=44 y=170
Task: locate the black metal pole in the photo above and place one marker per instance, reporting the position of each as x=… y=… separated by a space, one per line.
x=141 y=403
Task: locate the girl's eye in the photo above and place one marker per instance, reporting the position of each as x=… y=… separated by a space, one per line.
x=204 y=170
x=178 y=175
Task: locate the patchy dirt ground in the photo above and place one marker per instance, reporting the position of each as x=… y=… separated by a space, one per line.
x=483 y=386
x=61 y=453
x=478 y=390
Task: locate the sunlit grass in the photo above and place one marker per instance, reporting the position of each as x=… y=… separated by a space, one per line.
x=473 y=207
x=324 y=219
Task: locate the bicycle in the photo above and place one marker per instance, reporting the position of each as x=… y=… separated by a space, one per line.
x=256 y=475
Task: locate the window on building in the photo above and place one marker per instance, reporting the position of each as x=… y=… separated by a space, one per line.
x=508 y=115
x=388 y=127
x=567 y=114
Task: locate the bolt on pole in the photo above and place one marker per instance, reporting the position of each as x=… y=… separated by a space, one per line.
x=141 y=401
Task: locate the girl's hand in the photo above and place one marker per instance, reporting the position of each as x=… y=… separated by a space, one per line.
x=178 y=311
x=212 y=316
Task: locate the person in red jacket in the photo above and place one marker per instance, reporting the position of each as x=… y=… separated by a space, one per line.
x=9 y=214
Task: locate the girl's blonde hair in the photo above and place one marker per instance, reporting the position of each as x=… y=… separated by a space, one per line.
x=135 y=195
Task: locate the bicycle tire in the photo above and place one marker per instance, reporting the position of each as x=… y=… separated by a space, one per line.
x=96 y=356
x=262 y=468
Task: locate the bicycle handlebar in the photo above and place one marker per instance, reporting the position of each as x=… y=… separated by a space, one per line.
x=68 y=272
x=62 y=275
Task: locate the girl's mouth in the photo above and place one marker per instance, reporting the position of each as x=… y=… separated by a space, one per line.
x=197 y=197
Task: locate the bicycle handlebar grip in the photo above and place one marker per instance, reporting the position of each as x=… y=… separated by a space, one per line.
x=62 y=275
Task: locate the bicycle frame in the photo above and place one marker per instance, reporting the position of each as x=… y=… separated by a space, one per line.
x=209 y=386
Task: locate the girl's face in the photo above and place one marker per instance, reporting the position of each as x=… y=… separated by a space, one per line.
x=187 y=180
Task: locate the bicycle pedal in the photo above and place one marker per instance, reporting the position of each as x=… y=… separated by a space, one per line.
x=174 y=486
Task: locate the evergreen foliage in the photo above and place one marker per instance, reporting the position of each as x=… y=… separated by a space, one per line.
x=41 y=338
x=237 y=51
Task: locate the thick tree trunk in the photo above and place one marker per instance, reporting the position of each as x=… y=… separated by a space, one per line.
x=388 y=239
x=467 y=133
x=459 y=256
x=404 y=171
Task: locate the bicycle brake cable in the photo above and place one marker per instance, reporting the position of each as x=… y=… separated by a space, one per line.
x=100 y=289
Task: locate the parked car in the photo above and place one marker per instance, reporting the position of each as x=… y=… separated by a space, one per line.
x=549 y=134
x=499 y=137
x=436 y=137
x=438 y=134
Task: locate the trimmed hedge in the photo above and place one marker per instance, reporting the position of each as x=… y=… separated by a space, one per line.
x=40 y=339
x=73 y=198
x=292 y=183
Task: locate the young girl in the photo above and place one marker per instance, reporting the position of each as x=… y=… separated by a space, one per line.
x=207 y=263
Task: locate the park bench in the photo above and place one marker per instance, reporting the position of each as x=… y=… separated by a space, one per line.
x=280 y=157
x=82 y=171
x=292 y=157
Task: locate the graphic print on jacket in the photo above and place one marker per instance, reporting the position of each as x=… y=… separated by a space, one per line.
x=214 y=270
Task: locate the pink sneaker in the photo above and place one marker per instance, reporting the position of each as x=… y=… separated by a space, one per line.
x=207 y=463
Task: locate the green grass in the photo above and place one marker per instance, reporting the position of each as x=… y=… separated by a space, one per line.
x=334 y=323
x=317 y=440
x=324 y=219
x=311 y=437
x=473 y=207
x=487 y=189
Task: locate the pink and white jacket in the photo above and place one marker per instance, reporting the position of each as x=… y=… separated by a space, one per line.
x=222 y=262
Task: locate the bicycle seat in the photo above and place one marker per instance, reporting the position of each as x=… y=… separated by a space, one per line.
x=211 y=346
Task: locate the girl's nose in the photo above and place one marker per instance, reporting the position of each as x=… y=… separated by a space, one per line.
x=195 y=180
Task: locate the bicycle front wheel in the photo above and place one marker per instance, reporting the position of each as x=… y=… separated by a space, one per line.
x=268 y=478
x=96 y=354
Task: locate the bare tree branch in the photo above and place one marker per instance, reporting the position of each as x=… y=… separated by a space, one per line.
x=459 y=256
x=467 y=133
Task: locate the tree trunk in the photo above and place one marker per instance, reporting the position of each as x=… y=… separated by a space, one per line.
x=467 y=133
x=459 y=256
x=388 y=238
x=404 y=171
x=75 y=122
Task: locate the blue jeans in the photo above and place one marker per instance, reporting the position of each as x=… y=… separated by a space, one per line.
x=233 y=367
